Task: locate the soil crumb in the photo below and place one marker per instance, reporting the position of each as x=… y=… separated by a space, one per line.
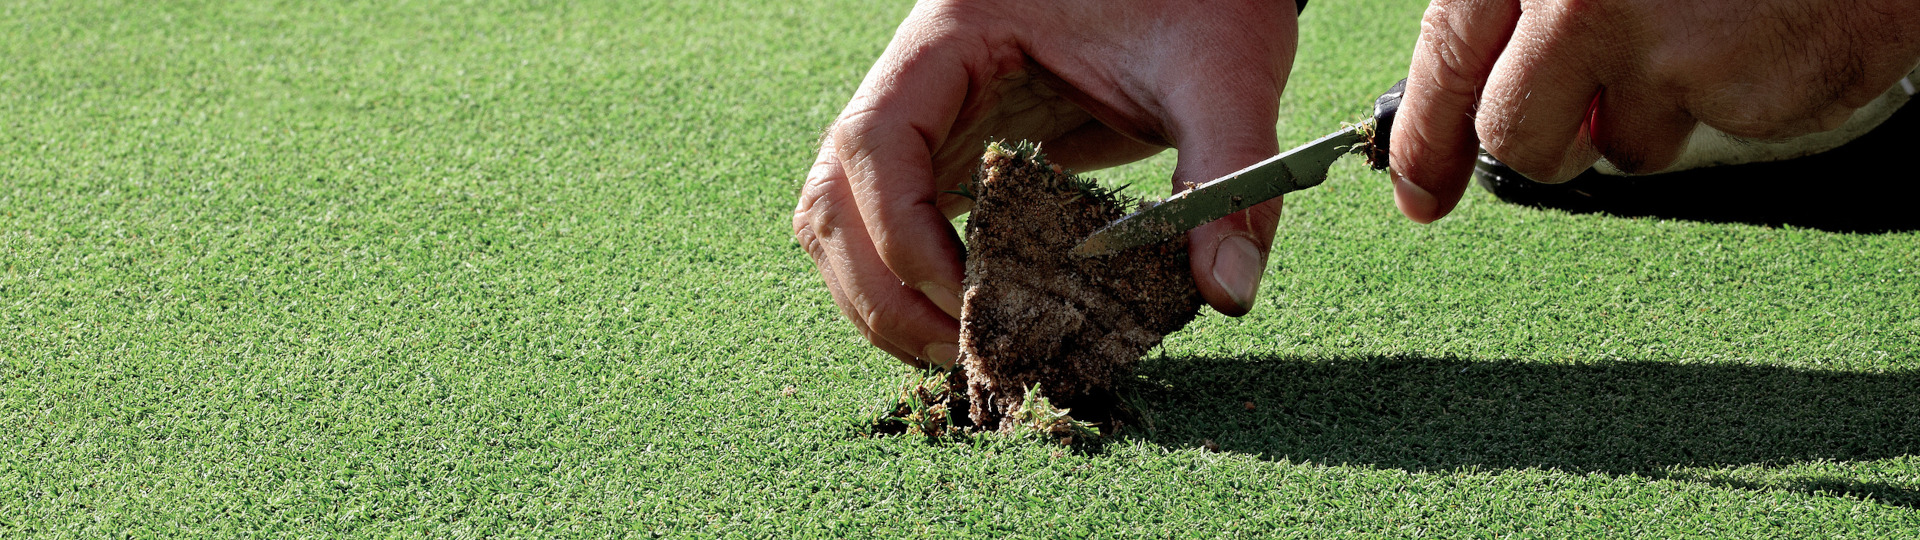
x=1035 y=319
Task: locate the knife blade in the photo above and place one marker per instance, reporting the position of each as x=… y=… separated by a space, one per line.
x=1300 y=168
x=1294 y=170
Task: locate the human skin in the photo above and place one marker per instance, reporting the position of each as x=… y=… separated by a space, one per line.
x=1098 y=82
x=1549 y=86
x=1546 y=86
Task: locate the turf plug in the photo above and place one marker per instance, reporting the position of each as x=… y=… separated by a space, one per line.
x=1035 y=317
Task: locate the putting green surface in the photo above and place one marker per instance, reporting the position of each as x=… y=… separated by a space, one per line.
x=524 y=268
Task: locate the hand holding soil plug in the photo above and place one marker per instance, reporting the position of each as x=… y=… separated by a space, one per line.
x=1097 y=82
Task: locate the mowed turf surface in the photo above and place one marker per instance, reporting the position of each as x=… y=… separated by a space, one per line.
x=524 y=268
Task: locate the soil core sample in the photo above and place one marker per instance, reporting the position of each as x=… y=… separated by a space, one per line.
x=1035 y=315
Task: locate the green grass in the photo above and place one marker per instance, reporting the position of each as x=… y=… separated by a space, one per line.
x=523 y=269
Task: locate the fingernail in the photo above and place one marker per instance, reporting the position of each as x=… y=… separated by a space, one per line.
x=943 y=297
x=1237 y=267
x=941 y=353
x=1417 y=204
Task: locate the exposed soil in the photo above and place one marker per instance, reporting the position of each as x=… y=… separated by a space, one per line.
x=1035 y=315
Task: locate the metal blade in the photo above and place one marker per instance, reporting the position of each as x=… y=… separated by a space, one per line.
x=1293 y=170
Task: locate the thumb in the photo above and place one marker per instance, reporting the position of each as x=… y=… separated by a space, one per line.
x=1220 y=113
x=1229 y=255
x=1217 y=137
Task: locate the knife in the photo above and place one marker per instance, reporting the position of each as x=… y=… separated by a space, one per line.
x=1293 y=170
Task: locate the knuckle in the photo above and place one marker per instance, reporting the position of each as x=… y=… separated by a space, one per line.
x=877 y=340
x=885 y=316
x=849 y=304
x=1418 y=151
x=1795 y=72
x=818 y=215
x=859 y=137
x=874 y=339
x=818 y=184
x=1459 y=68
x=855 y=127
x=809 y=240
x=936 y=24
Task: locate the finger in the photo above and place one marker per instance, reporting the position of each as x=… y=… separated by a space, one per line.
x=1535 y=108
x=813 y=228
x=1221 y=129
x=847 y=310
x=1229 y=257
x=1639 y=129
x=1802 y=70
x=894 y=317
x=1434 y=142
x=1769 y=110
x=885 y=143
x=803 y=232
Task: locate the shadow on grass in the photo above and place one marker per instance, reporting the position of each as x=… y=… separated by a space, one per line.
x=1424 y=414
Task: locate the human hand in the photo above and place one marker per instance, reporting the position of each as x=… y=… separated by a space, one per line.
x=1097 y=82
x=1549 y=86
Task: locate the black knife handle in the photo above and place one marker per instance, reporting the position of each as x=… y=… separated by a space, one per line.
x=1384 y=109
